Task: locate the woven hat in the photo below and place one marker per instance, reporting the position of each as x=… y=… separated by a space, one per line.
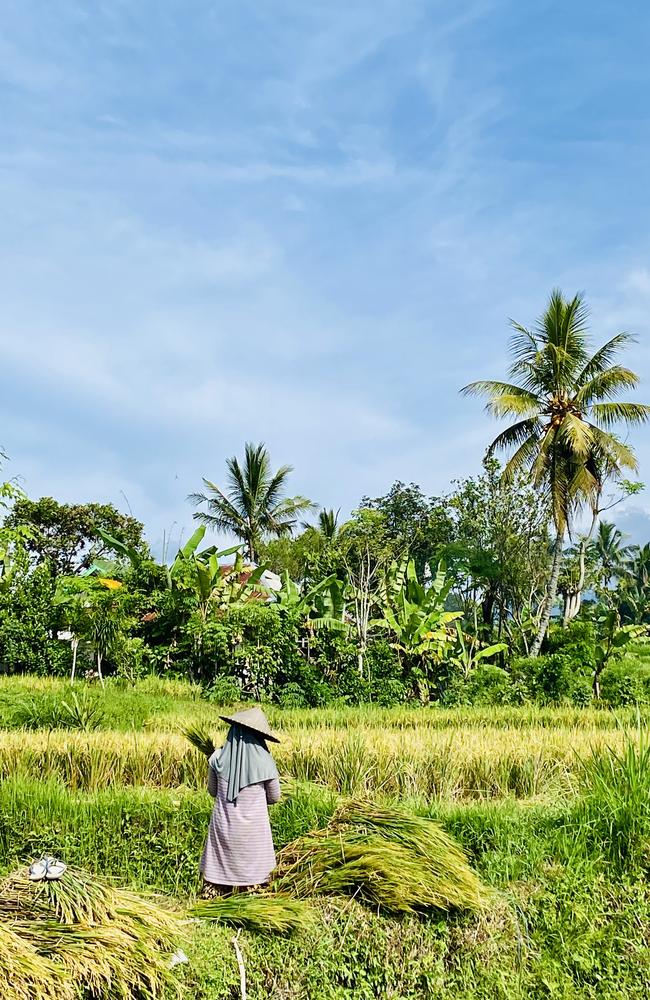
x=254 y=719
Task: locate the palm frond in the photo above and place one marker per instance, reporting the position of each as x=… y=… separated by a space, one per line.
x=241 y=491
x=275 y=486
x=514 y=435
x=509 y=404
x=610 y=450
x=524 y=346
x=575 y=435
x=604 y=356
x=605 y=385
x=523 y=400
x=523 y=458
x=612 y=413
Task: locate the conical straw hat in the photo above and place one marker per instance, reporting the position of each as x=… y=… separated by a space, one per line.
x=252 y=718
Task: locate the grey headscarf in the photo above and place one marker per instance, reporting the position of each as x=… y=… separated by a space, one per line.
x=242 y=761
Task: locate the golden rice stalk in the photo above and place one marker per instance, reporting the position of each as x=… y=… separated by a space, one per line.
x=266 y=912
x=27 y=975
x=425 y=837
x=103 y=940
x=103 y=961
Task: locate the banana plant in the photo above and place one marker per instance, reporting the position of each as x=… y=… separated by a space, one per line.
x=320 y=607
x=201 y=573
x=415 y=615
x=466 y=654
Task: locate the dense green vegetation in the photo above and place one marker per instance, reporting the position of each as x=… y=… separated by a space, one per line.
x=446 y=599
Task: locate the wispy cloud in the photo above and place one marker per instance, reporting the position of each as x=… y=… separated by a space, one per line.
x=306 y=224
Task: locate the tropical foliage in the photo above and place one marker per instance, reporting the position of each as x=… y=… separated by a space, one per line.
x=253 y=505
x=411 y=596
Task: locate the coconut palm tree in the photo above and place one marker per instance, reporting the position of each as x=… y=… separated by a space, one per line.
x=563 y=399
x=610 y=551
x=253 y=505
x=328 y=523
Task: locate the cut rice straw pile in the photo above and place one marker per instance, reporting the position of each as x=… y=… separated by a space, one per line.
x=79 y=934
x=265 y=912
x=389 y=858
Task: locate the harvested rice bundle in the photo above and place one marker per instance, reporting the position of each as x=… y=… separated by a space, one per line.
x=101 y=939
x=105 y=961
x=27 y=975
x=274 y=912
x=394 y=860
x=426 y=838
x=200 y=738
x=74 y=898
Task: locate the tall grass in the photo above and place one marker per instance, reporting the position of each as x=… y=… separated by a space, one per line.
x=167 y=705
x=614 y=811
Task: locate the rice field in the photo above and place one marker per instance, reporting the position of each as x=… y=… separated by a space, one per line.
x=542 y=815
x=463 y=762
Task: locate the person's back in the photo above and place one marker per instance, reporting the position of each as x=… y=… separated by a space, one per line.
x=239 y=847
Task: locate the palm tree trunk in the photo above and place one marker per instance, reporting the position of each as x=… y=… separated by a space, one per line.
x=574 y=604
x=75 y=647
x=99 y=668
x=551 y=592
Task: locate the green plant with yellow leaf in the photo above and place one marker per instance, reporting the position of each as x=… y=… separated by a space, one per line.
x=415 y=616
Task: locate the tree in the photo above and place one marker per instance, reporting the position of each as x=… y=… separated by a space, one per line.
x=253 y=506
x=609 y=550
x=415 y=616
x=328 y=523
x=633 y=591
x=499 y=556
x=68 y=537
x=563 y=399
x=413 y=523
x=582 y=554
x=362 y=548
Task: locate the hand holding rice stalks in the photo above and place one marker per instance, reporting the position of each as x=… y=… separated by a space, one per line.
x=200 y=739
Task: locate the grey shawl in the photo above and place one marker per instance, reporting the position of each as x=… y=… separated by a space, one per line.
x=242 y=761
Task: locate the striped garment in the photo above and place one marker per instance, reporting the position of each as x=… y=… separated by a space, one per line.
x=239 y=849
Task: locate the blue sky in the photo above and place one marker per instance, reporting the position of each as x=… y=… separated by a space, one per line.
x=302 y=223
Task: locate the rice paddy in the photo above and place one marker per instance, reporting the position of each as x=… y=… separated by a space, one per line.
x=422 y=853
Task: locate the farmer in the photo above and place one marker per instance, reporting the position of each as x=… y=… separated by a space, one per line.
x=243 y=779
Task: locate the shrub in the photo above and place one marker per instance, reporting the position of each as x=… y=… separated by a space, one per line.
x=389 y=692
x=625 y=683
x=576 y=643
x=292 y=696
x=491 y=685
x=27 y=623
x=553 y=678
x=253 y=644
x=224 y=690
x=75 y=711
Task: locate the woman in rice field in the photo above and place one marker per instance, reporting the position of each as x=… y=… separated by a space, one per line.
x=243 y=778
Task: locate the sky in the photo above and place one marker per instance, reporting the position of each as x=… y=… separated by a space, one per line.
x=305 y=224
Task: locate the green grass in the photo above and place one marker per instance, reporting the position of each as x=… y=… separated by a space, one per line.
x=168 y=705
x=550 y=820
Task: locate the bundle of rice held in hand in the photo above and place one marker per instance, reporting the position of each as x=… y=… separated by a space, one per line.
x=79 y=934
x=389 y=858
